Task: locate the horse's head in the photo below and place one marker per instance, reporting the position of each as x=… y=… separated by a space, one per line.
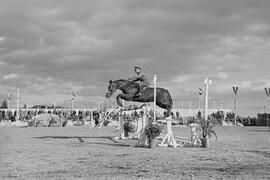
x=111 y=89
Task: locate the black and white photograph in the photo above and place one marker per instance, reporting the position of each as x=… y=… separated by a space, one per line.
x=135 y=89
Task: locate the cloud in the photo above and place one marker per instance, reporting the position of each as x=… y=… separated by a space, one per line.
x=181 y=79
x=10 y=77
x=222 y=75
x=2 y=38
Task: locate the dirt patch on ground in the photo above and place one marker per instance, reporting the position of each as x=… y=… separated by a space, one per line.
x=85 y=153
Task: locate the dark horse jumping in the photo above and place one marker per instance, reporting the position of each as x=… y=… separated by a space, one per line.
x=129 y=89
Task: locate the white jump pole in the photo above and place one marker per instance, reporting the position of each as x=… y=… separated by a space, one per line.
x=18 y=101
x=92 y=118
x=9 y=94
x=207 y=82
x=121 y=124
x=155 y=95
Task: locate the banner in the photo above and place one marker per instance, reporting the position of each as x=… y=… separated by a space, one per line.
x=267 y=91
x=73 y=94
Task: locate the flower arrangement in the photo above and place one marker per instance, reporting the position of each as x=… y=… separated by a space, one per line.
x=152 y=131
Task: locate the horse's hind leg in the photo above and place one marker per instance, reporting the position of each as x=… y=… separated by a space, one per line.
x=168 y=108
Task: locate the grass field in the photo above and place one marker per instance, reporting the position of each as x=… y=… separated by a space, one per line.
x=84 y=153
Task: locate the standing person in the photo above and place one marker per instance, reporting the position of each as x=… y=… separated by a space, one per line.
x=195 y=140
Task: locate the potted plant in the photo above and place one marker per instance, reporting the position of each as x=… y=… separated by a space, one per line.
x=128 y=127
x=206 y=129
x=152 y=131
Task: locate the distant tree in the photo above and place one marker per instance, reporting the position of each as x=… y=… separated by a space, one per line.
x=4 y=104
x=24 y=106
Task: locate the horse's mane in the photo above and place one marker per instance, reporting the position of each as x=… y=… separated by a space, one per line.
x=120 y=80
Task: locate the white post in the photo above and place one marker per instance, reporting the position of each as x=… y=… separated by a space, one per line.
x=221 y=105
x=235 y=90
x=8 y=104
x=92 y=118
x=267 y=91
x=8 y=99
x=155 y=95
x=72 y=104
x=189 y=107
x=199 y=102
x=267 y=123
x=214 y=106
x=18 y=99
x=206 y=82
x=54 y=102
x=182 y=104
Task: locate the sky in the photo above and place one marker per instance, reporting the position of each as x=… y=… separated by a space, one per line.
x=50 y=48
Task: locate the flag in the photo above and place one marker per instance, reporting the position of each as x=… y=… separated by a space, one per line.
x=73 y=94
x=235 y=90
x=200 y=91
x=9 y=95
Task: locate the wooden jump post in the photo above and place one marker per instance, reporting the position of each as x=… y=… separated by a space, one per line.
x=169 y=140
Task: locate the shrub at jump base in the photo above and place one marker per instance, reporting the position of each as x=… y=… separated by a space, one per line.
x=152 y=131
x=206 y=130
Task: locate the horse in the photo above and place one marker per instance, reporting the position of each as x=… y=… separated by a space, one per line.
x=130 y=88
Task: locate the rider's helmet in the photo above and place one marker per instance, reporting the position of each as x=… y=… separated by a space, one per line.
x=137 y=70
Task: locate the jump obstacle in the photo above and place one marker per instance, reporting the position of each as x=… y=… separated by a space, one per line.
x=168 y=140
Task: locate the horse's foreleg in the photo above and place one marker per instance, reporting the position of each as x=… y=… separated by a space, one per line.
x=124 y=97
x=118 y=100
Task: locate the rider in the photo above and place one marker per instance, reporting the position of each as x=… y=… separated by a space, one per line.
x=142 y=81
